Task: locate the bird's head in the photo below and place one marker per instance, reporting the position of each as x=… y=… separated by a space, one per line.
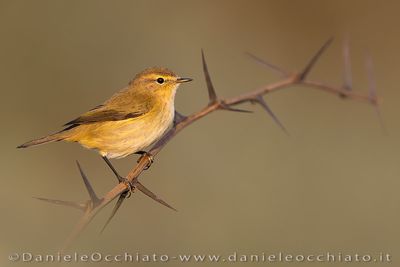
x=157 y=81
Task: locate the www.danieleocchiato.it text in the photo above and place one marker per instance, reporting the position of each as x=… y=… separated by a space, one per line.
x=234 y=257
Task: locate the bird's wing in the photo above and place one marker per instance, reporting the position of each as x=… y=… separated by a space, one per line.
x=123 y=105
x=101 y=115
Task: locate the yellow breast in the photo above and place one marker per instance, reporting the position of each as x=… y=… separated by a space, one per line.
x=117 y=139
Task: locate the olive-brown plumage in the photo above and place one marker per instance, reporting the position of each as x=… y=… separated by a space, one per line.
x=130 y=121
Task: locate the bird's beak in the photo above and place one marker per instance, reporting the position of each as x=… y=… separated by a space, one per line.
x=183 y=80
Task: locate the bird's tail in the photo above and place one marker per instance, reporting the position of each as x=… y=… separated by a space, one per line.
x=47 y=139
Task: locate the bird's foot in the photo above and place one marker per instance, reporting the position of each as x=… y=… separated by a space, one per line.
x=129 y=186
x=149 y=156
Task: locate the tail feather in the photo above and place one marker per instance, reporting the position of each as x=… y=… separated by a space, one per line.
x=47 y=139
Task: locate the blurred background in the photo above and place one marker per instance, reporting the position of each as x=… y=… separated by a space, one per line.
x=239 y=183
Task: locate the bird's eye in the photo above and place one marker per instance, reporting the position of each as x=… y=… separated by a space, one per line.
x=160 y=80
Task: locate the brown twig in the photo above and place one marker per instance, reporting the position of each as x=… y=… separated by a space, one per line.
x=92 y=207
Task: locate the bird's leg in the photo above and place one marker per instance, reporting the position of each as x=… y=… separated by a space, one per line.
x=121 y=179
x=149 y=157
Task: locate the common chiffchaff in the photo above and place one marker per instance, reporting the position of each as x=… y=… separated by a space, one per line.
x=130 y=121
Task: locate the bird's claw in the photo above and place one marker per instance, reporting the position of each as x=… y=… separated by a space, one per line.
x=150 y=159
x=129 y=186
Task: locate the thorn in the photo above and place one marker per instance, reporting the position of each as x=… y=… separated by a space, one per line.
x=115 y=172
x=273 y=67
x=229 y=108
x=313 y=60
x=76 y=205
x=93 y=197
x=263 y=104
x=211 y=91
x=121 y=199
x=348 y=83
x=371 y=79
x=153 y=196
x=372 y=90
x=178 y=117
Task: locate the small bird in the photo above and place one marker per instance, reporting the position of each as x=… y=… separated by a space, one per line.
x=129 y=122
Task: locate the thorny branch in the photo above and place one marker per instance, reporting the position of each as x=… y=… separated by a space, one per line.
x=94 y=205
